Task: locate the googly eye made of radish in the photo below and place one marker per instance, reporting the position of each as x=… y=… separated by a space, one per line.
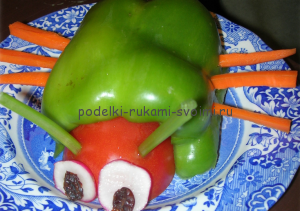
x=123 y=186
x=75 y=180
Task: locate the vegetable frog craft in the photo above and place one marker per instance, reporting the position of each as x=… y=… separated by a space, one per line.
x=155 y=64
x=130 y=55
x=122 y=57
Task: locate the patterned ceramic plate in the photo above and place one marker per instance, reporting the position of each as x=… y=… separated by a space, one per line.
x=255 y=166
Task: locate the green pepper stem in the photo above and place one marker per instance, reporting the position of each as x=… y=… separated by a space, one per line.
x=58 y=149
x=168 y=127
x=42 y=121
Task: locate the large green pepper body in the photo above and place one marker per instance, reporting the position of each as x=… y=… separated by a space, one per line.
x=136 y=54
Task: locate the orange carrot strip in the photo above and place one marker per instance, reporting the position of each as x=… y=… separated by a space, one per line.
x=29 y=78
x=38 y=36
x=283 y=79
x=21 y=58
x=262 y=119
x=242 y=59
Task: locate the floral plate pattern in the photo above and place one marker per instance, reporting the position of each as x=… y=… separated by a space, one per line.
x=255 y=166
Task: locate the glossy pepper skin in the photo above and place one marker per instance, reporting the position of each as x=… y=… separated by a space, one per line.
x=137 y=54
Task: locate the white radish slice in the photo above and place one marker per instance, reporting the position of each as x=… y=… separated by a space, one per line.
x=118 y=174
x=84 y=174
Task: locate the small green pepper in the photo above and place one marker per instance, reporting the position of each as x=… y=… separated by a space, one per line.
x=197 y=155
x=138 y=54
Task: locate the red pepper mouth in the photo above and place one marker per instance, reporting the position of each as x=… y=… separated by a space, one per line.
x=115 y=139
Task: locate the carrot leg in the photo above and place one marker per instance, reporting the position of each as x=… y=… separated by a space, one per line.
x=29 y=78
x=38 y=36
x=262 y=119
x=241 y=59
x=21 y=58
x=283 y=79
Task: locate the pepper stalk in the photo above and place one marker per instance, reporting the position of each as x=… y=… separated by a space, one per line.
x=167 y=128
x=42 y=121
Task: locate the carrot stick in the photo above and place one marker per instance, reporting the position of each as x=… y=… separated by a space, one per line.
x=38 y=36
x=21 y=58
x=262 y=119
x=29 y=78
x=283 y=79
x=241 y=59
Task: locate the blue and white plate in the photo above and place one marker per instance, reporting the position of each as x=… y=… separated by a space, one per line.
x=255 y=166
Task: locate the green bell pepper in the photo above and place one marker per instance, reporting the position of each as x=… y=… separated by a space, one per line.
x=138 y=54
x=197 y=155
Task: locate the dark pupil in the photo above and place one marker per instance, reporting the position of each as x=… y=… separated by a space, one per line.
x=72 y=186
x=123 y=200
